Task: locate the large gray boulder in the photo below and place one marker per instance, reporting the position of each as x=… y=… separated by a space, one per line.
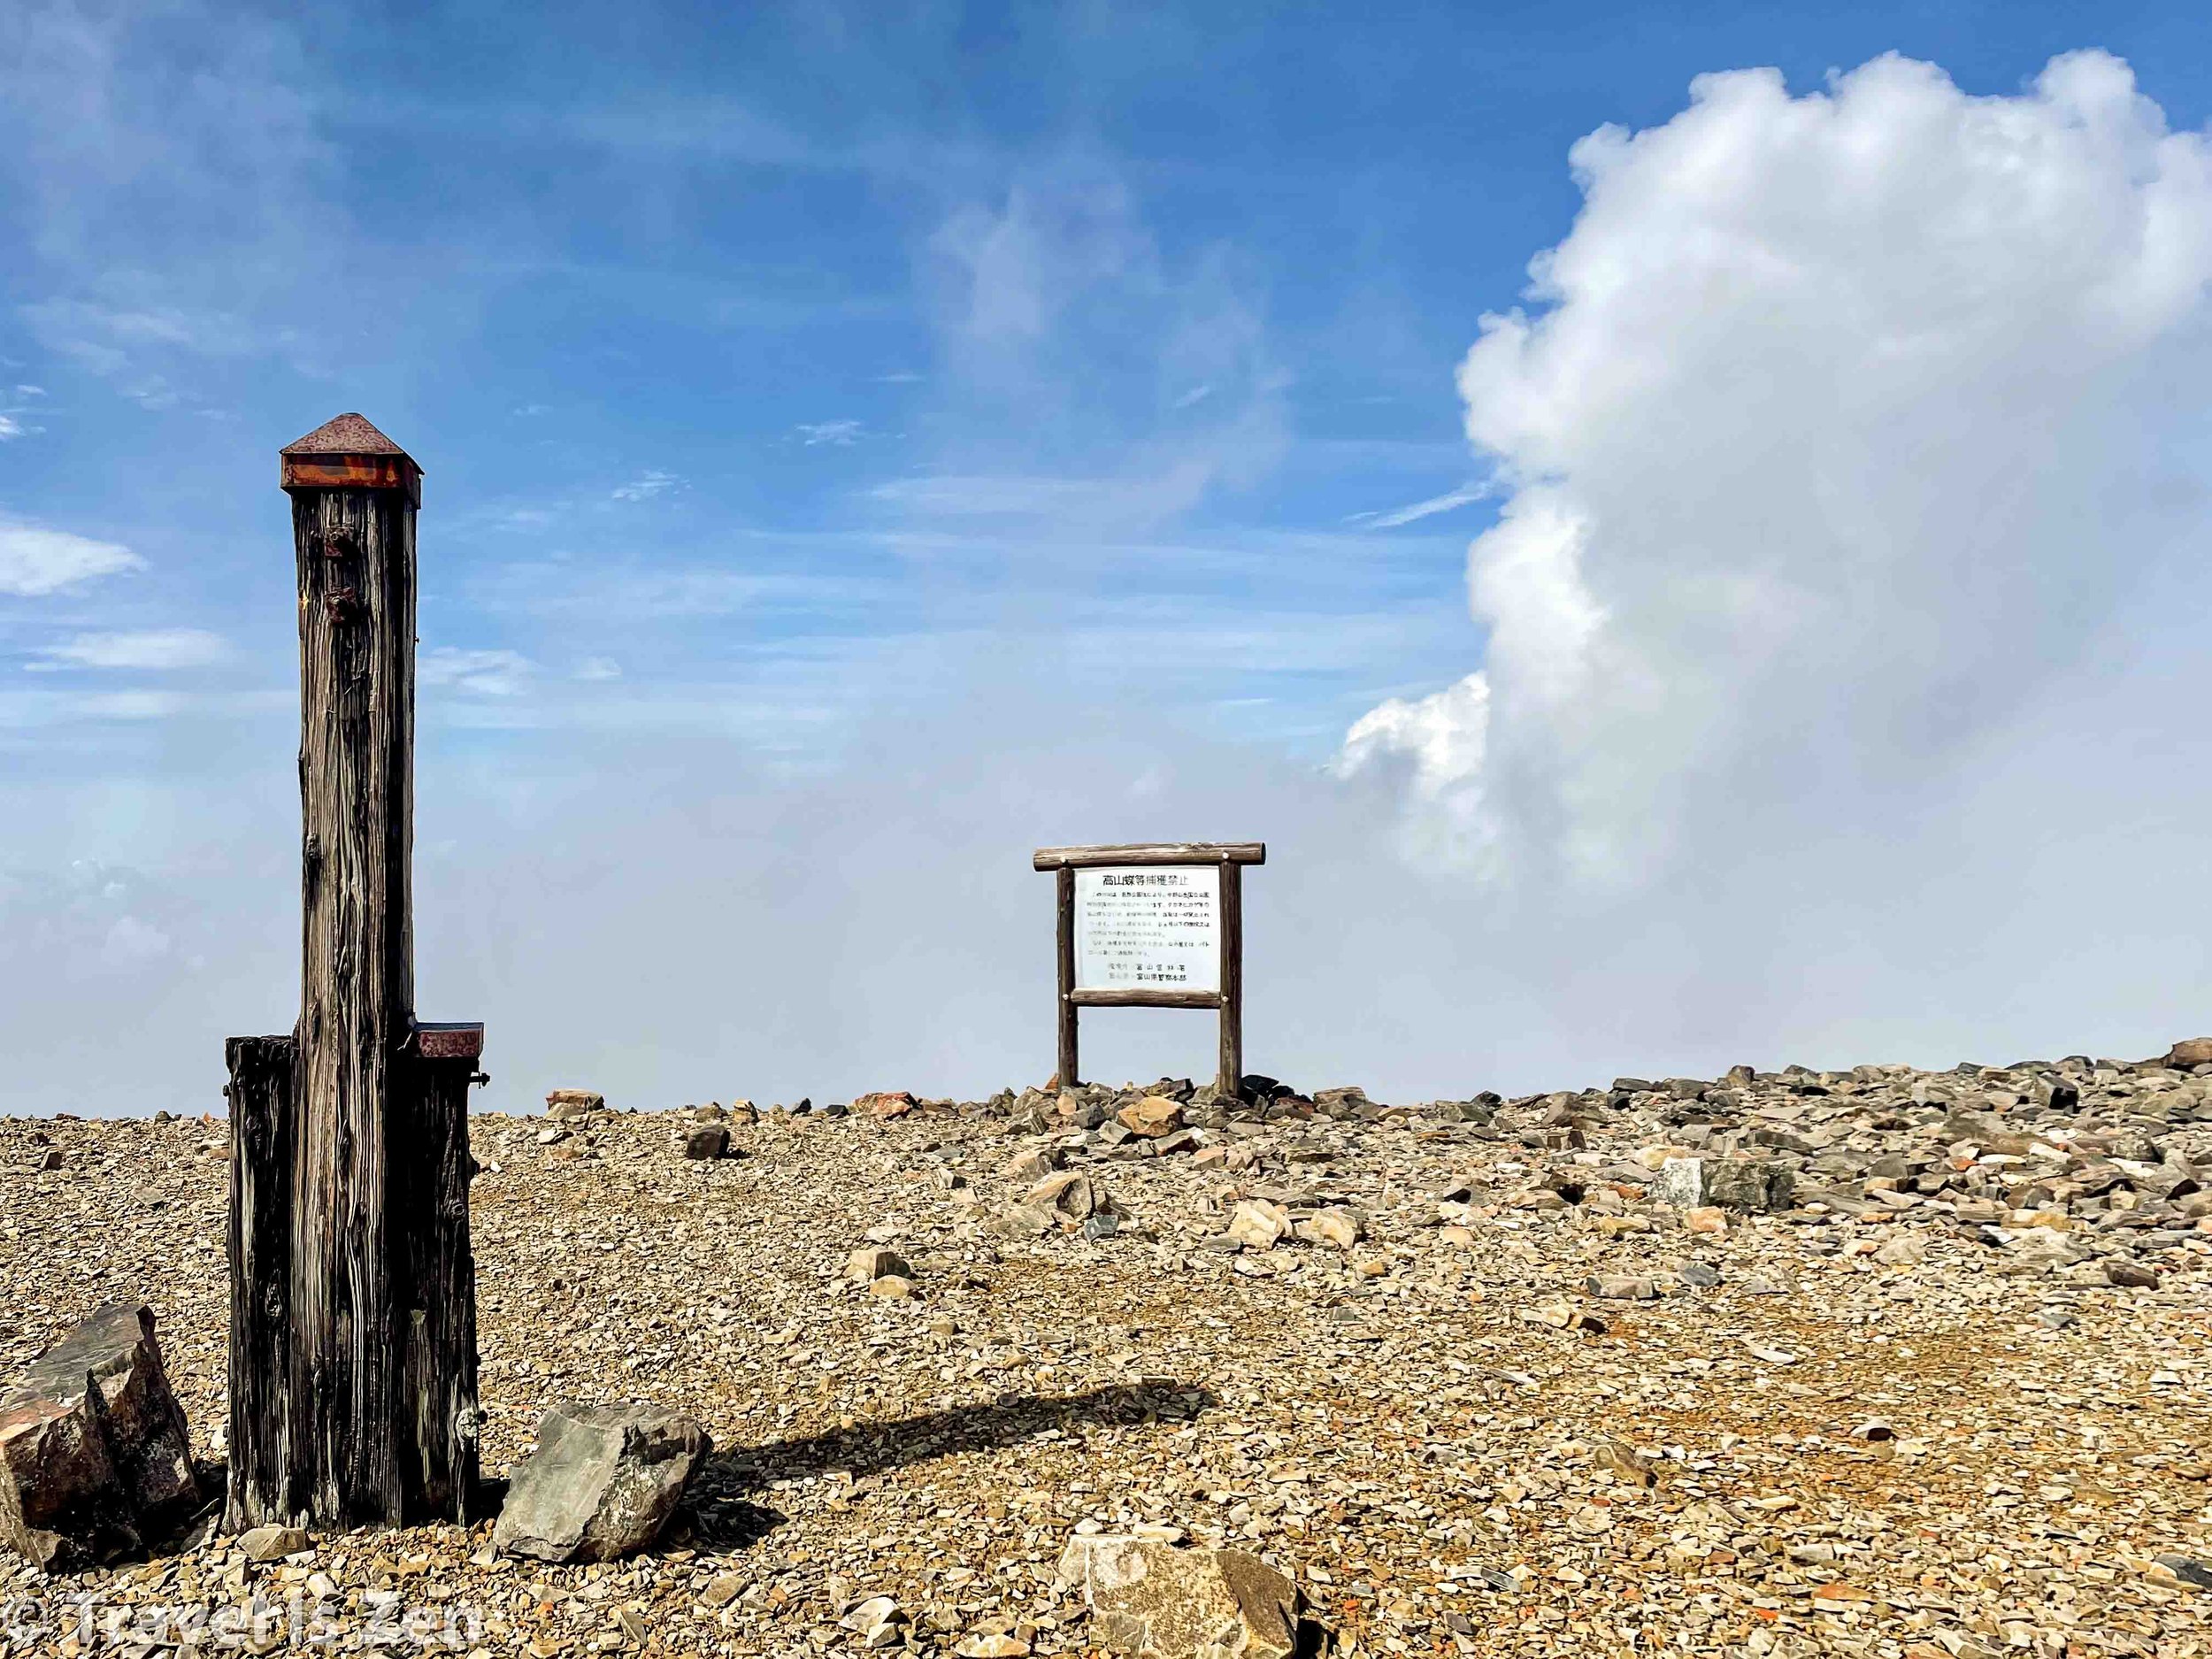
x=94 y=1456
x=602 y=1483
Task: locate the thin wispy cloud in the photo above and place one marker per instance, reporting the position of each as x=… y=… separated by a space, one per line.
x=477 y=674
x=647 y=486
x=36 y=560
x=25 y=710
x=1074 y=505
x=153 y=649
x=1450 y=501
x=830 y=432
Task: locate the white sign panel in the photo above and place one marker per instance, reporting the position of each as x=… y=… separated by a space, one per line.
x=1149 y=927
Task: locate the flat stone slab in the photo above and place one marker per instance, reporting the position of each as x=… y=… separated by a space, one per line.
x=1152 y=1600
x=602 y=1483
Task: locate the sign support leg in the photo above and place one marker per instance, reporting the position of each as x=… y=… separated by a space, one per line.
x=1065 y=883
x=1232 y=1074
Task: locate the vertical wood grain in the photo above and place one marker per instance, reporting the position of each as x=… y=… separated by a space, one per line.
x=434 y=1291
x=263 y=1433
x=356 y=554
x=353 y=1374
x=1063 y=885
x=1231 y=1074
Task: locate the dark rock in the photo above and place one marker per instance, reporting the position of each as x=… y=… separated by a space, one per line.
x=1750 y=1185
x=2190 y=1572
x=94 y=1456
x=710 y=1142
x=602 y=1483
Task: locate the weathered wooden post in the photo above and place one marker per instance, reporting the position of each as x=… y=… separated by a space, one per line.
x=353 y=1293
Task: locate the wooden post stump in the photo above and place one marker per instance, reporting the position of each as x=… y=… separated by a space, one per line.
x=353 y=1314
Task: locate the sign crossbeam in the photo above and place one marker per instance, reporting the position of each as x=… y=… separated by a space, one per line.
x=1152 y=925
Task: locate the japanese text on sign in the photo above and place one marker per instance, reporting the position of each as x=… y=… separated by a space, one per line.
x=1149 y=927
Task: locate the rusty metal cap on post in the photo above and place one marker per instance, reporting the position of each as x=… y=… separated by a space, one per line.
x=348 y=453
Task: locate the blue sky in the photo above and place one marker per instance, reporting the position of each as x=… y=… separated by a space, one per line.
x=799 y=387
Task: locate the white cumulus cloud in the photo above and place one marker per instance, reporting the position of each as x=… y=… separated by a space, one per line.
x=1837 y=429
x=35 y=561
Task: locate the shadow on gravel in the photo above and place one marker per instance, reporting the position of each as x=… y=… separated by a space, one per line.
x=722 y=1517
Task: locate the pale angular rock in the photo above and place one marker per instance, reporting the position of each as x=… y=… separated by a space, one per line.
x=1681 y=1183
x=1259 y=1225
x=602 y=1483
x=1033 y=1165
x=1561 y=1314
x=271 y=1543
x=1151 y=1116
x=1023 y=1221
x=1337 y=1225
x=1153 y=1600
x=1624 y=1286
x=567 y=1104
x=872 y=1262
x=1070 y=1194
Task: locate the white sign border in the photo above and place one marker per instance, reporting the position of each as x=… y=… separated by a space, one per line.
x=1209 y=875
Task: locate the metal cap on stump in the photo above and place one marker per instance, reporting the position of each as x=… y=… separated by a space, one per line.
x=353 y=1326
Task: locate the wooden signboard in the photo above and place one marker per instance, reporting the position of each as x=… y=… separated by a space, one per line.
x=1153 y=927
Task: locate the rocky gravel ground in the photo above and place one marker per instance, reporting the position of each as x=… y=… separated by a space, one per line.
x=1879 y=1361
